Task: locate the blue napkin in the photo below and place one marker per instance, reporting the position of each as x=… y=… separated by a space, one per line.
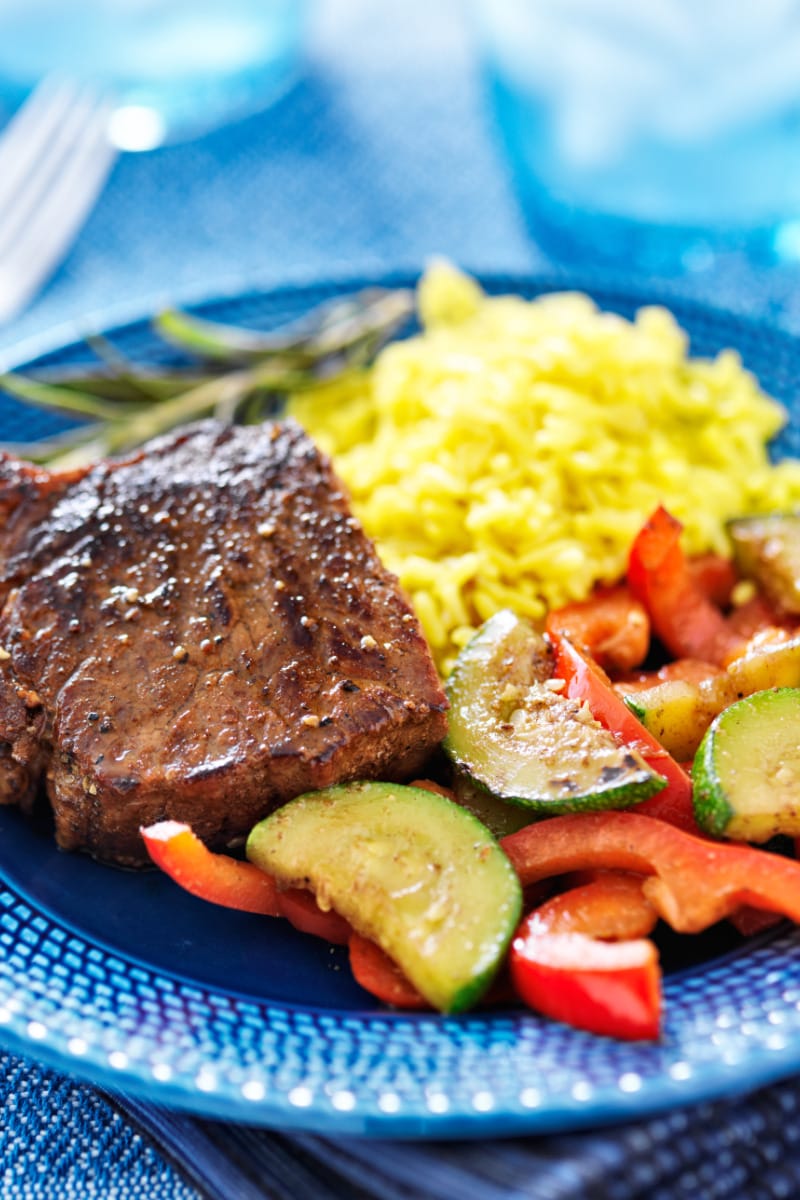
x=737 y=1149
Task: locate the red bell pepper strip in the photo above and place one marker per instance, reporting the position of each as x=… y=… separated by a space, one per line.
x=178 y=851
x=301 y=909
x=715 y=576
x=692 y=882
x=612 y=625
x=757 y=616
x=689 y=670
x=686 y=621
x=604 y=904
x=610 y=988
x=380 y=976
x=561 y=968
x=586 y=681
x=227 y=881
x=438 y=789
x=750 y=921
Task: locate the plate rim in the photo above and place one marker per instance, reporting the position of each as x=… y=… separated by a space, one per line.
x=117 y=319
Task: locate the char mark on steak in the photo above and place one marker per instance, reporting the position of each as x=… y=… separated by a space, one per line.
x=199 y=632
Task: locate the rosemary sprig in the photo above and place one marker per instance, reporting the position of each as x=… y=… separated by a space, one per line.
x=120 y=387
x=54 y=396
x=243 y=375
x=345 y=326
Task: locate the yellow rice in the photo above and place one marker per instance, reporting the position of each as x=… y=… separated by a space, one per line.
x=507 y=455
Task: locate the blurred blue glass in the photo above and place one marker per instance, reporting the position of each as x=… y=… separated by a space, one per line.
x=651 y=132
x=173 y=69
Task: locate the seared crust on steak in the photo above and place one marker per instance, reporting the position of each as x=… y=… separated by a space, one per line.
x=200 y=632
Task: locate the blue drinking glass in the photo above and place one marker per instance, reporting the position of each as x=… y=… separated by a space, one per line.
x=172 y=69
x=657 y=133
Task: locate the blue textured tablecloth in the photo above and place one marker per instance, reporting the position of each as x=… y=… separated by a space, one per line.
x=381 y=156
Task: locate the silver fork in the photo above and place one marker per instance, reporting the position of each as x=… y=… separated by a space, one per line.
x=55 y=156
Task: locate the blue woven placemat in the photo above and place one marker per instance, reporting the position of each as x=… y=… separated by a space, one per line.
x=62 y=1141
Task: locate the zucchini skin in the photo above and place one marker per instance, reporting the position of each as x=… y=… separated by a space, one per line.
x=712 y=809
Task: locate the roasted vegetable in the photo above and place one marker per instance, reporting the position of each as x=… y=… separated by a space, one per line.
x=692 y=882
x=410 y=870
x=515 y=735
x=218 y=878
x=747 y=769
x=688 y=623
x=767 y=550
x=586 y=682
x=678 y=712
x=583 y=958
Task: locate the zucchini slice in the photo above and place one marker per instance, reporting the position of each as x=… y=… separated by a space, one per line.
x=516 y=736
x=747 y=769
x=769 y=664
x=671 y=711
x=767 y=550
x=410 y=870
x=501 y=817
x=678 y=712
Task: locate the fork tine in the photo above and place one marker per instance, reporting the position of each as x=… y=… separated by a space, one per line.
x=69 y=198
x=52 y=202
x=65 y=136
x=26 y=135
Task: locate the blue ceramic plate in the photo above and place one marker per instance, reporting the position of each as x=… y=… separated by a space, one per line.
x=123 y=979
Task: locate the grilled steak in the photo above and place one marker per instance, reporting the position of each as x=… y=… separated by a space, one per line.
x=200 y=632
